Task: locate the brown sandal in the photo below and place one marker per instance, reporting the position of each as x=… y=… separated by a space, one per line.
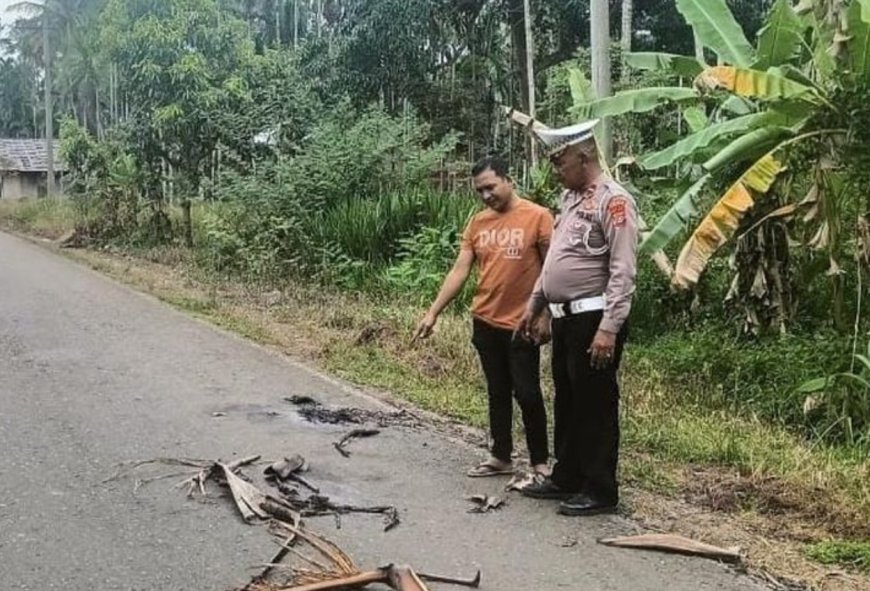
x=487 y=469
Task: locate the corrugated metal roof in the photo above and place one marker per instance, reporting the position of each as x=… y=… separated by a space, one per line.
x=27 y=156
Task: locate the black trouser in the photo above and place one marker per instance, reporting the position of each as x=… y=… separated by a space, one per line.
x=586 y=410
x=513 y=369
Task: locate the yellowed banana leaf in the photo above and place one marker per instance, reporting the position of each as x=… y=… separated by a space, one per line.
x=723 y=219
x=767 y=86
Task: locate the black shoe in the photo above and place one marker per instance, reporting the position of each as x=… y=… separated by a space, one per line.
x=581 y=504
x=546 y=489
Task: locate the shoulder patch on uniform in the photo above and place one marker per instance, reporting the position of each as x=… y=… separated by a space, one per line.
x=616 y=209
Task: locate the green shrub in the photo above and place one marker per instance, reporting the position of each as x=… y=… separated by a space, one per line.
x=719 y=368
x=852 y=554
x=423 y=261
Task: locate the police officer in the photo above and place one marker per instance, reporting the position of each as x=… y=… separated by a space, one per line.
x=587 y=285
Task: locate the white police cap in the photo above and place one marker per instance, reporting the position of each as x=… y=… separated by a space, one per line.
x=556 y=140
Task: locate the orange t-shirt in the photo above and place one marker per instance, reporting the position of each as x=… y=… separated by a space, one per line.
x=506 y=248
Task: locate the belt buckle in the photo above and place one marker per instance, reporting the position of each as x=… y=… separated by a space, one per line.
x=559 y=310
x=577 y=307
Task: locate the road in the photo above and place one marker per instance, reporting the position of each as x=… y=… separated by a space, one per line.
x=93 y=374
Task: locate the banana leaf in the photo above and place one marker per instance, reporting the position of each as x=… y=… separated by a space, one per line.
x=736 y=106
x=676 y=219
x=581 y=89
x=781 y=38
x=582 y=93
x=633 y=101
x=723 y=220
x=859 y=44
x=695 y=118
x=766 y=86
x=793 y=73
x=824 y=63
x=748 y=146
x=702 y=139
x=717 y=29
x=680 y=65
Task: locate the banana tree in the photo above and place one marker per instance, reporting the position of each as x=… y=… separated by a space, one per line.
x=768 y=104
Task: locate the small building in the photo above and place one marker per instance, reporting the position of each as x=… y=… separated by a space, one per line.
x=24 y=168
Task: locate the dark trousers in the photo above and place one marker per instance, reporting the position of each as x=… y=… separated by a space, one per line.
x=513 y=369
x=586 y=410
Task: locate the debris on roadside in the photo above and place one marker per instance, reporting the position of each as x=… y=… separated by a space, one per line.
x=674 y=544
x=289 y=469
x=198 y=478
x=341 y=573
x=485 y=503
x=284 y=513
x=520 y=481
x=253 y=503
x=304 y=561
x=399 y=578
x=76 y=238
x=569 y=542
x=314 y=412
x=372 y=333
x=342 y=444
x=301 y=400
x=322 y=506
x=473 y=582
x=284 y=469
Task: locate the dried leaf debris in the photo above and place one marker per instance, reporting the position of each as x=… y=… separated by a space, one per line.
x=675 y=544
x=485 y=503
x=292 y=468
x=319 y=565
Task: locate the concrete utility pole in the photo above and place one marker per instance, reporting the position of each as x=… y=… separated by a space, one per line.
x=599 y=20
x=530 y=71
x=627 y=29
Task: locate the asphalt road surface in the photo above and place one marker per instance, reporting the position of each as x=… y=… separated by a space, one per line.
x=93 y=374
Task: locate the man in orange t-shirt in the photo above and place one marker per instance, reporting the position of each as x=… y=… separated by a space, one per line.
x=509 y=242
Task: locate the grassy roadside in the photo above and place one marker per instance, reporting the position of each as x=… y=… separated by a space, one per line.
x=721 y=478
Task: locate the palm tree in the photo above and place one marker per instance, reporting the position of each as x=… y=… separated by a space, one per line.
x=73 y=52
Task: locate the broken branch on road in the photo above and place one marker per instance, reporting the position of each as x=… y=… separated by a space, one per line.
x=342 y=444
x=675 y=544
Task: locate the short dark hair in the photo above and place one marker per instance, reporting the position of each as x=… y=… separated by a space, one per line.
x=493 y=162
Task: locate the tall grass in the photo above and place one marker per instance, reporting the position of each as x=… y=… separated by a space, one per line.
x=370 y=229
x=48 y=218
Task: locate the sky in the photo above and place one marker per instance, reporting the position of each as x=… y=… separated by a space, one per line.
x=6 y=17
x=4 y=4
